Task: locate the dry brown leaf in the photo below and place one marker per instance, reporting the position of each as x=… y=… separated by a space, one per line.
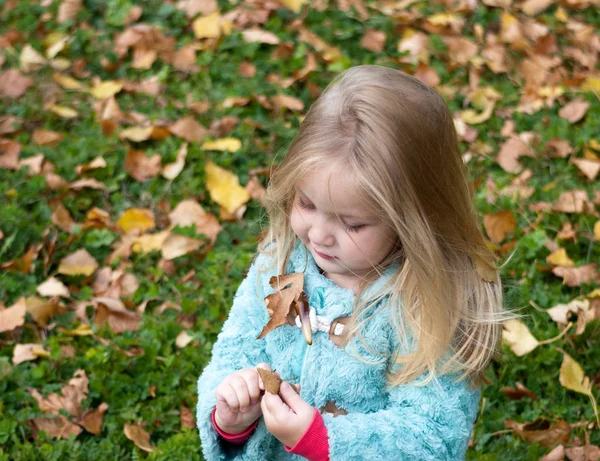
x=247 y=69
x=78 y=263
x=282 y=303
x=139 y=436
x=176 y=245
x=585 y=453
x=26 y=352
x=56 y=426
x=193 y=7
x=416 y=45
x=288 y=102
x=498 y=225
x=373 y=40
x=187 y=418
x=53 y=287
x=575 y=276
x=590 y=168
x=558 y=454
x=41 y=310
x=541 y=431
x=68 y=9
x=189 y=129
x=140 y=166
x=91 y=420
x=33 y=164
x=429 y=76
x=271 y=380
x=72 y=394
x=256 y=189
x=189 y=212
x=533 y=7
x=260 y=36
x=518 y=392
x=559 y=148
x=13 y=84
x=573 y=201
x=14 y=316
x=9 y=151
x=62 y=218
x=511 y=150
x=114 y=312
x=575 y=110
x=183 y=339
x=460 y=50
x=184 y=59
x=43 y=137
x=9 y=124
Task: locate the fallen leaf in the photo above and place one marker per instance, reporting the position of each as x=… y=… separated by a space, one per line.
x=373 y=40
x=460 y=50
x=187 y=418
x=541 y=431
x=27 y=352
x=189 y=212
x=78 y=263
x=586 y=453
x=175 y=246
x=97 y=163
x=171 y=170
x=137 y=219
x=597 y=231
x=56 y=426
x=13 y=316
x=91 y=420
x=67 y=82
x=30 y=60
x=518 y=337
x=560 y=148
x=62 y=218
x=498 y=225
x=138 y=436
x=533 y=7
x=43 y=137
x=10 y=154
x=41 y=310
x=63 y=112
x=572 y=376
x=87 y=182
x=189 y=129
x=282 y=303
x=142 y=167
x=518 y=392
x=575 y=110
x=184 y=59
x=9 y=123
x=560 y=258
x=294 y=5
x=260 y=36
x=590 y=168
x=53 y=287
x=68 y=9
x=575 y=276
x=13 y=84
x=193 y=7
x=224 y=188
x=137 y=133
x=149 y=242
x=207 y=26
x=288 y=102
x=223 y=144
x=572 y=201
x=183 y=339
x=114 y=312
x=415 y=45
x=557 y=454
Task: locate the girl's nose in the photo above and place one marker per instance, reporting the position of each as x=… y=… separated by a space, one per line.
x=320 y=235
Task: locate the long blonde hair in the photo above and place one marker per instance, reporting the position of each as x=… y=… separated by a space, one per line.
x=397 y=137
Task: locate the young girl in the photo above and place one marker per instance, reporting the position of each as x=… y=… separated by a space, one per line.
x=372 y=205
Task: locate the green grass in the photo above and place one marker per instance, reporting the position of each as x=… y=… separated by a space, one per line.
x=126 y=383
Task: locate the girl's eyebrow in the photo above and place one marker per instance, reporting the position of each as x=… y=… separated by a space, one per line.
x=343 y=216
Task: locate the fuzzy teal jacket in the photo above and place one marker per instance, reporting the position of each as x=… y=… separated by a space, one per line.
x=407 y=422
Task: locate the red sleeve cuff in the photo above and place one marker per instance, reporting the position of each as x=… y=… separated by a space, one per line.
x=237 y=439
x=314 y=444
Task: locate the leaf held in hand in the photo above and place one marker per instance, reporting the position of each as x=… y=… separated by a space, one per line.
x=270 y=379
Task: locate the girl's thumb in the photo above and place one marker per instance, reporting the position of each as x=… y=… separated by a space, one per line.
x=289 y=395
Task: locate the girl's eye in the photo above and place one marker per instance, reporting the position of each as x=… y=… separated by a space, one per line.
x=304 y=205
x=355 y=228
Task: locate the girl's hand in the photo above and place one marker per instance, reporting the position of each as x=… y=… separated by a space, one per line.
x=287 y=417
x=238 y=400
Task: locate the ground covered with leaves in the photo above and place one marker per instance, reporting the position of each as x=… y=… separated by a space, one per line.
x=135 y=142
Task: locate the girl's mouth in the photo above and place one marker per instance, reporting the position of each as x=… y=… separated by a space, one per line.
x=324 y=256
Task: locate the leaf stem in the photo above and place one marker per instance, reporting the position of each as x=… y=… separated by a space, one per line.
x=556 y=338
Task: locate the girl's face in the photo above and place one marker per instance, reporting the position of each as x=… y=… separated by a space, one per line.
x=348 y=245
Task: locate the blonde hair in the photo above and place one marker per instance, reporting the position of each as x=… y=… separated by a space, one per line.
x=397 y=137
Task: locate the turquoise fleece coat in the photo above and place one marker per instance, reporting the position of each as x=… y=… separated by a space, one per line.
x=407 y=422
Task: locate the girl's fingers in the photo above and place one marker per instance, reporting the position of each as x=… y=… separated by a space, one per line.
x=252 y=381
x=241 y=390
x=230 y=397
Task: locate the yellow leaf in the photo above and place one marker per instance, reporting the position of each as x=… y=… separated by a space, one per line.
x=591 y=84
x=24 y=352
x=224 y=188
x=207 y=26
x=136 y=133
x=30 y=60
x=560 y=258
x=474 y=118
x=572 y=376
x=443 y=19
x=149 y=242
x=82 y=330
x=78 y=263
x=179 y=245
x=172 y=170
x=294 y=5
x=230 y=144
x=107 y=89
x=136 y=219
x=68 y=83
x=518 y=337
x=62 y=111
x=597 y=231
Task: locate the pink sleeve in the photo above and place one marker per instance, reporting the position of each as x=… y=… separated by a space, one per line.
x=237 y=439
x=314 y=444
